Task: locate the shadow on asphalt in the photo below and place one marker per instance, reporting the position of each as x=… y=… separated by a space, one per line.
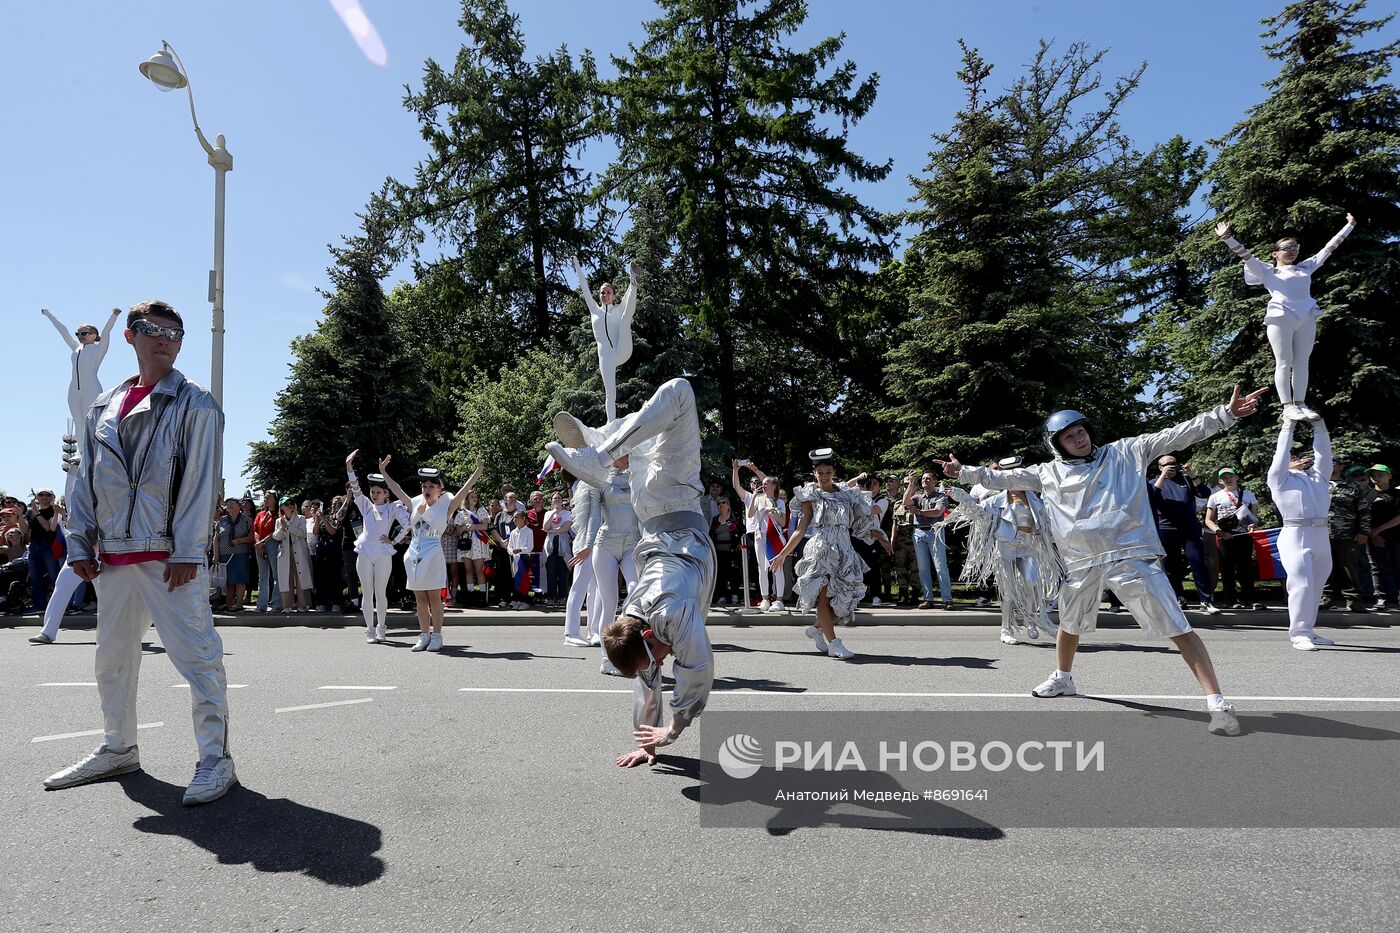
x=787 y=817
x=1300 y=724
x=896 y=660
x=272 y=835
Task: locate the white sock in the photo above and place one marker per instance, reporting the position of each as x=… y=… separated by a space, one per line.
x=1064 y=674
x=1214 y=700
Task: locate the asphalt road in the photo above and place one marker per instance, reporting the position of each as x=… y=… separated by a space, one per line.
x=431 y=807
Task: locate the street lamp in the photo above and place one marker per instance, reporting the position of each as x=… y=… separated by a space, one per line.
x=167 y=72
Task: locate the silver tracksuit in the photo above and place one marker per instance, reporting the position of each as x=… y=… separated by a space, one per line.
x=1101 y=521
x=677 y=556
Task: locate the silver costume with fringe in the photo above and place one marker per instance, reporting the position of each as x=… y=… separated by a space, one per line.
x=1025 y=564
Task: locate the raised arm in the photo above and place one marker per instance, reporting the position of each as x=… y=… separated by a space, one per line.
x=111 y=321
x=1278 y=469
x=1326 y=252
x=404 y=498
x=1322 y=451
x=629 y=298
x=1256 y=272
x=461 y=498
x=62 y=331
x=583 y=290
x=1146 y=448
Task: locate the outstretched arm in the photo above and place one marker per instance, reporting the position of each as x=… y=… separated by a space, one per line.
x=1322 y=451
x=1256 y=272
x=461 y=498
x=111 y=321
x=1278 y=469
x=583 y=290
x=62 y=331
x=794 y=538
x=404 y=498
x=1326 y=252
x=629 y=298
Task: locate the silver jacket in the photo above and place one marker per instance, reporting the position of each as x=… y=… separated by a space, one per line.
x=673 y=594
x=1098 y=508
x=588 y=517
x=663 y=437
x=148 y=481
x=618 y=531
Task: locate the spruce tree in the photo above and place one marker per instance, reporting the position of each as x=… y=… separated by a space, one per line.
x=1016 y=292
x=1325 y=141
x=746 y=140
x=352 y=383
x=501 y=191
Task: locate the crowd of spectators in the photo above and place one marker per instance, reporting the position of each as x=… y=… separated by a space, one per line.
x=282 y=554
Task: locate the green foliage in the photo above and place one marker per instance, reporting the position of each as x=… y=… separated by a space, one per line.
x=1325 y=141
x=744 y=141
x=505 y=421
x=1016 y=284
x=500 y=190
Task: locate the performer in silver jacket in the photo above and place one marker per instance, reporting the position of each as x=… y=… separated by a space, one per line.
x=1101 y=520
x=143 y=507
x=664 y=615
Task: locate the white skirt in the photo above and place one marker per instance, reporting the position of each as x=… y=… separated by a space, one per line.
x=426 y=571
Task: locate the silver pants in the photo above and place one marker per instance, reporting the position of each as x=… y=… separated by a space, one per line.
x=1022 y=594
x=130 y=598
x=1143 y=587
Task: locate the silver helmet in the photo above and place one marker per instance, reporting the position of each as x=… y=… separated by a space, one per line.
x=1059 y=422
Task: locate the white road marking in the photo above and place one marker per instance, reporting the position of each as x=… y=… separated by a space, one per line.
x=78 y=735
x=187 y=686
x=68 y=684
x=338 y=687
x=293 y=709
x=919 y=695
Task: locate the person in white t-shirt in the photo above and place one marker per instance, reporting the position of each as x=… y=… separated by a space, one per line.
x=1231 y=514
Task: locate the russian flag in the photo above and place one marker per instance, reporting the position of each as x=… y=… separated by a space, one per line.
x=1266 y=554
x=549 y=467
x=522 y=573
x=773 y=537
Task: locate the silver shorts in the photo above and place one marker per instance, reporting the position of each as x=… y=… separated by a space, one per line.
x=1143 y=587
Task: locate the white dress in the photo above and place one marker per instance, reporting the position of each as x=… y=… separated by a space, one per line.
x=828 y=559
x=480 y=547
x=424 y=563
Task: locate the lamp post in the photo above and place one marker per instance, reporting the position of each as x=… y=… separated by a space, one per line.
x=167 y=72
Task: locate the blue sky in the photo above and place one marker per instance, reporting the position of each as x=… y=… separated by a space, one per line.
x=109 y=199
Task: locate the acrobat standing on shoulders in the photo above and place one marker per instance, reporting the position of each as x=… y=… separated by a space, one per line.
x=612 y=329
x=1291 y=319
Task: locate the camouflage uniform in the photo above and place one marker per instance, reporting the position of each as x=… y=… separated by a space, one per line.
x=905 y=565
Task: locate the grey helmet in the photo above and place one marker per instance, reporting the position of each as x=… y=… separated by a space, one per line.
x=1059 y=422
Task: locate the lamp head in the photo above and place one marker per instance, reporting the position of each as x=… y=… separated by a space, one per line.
x=163 y=71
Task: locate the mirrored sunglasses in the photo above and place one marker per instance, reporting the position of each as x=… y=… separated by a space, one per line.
x=151 y=329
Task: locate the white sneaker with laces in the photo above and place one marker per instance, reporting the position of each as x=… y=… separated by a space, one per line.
x=1056 y=686
x=765 y=605
x=382 y=631
x=1210 y=609
x=213 y=777
x=422 y=643
x=576 y=641
x=816 y=635
x=1322 y=640
x=839 y=651
x=1294 y=413
x=777 y=607
x=1303 y=643
x=1007 y=638
x=595 y=639
x=98 y=765
x=435 y=642
x=1307 y=413
x=370 y=637
x=609 y=668
x=1223 y=721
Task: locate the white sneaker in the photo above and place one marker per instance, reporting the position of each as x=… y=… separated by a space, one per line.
x=1322 y=640
x=1210 y=609
x=422 y=643
x=765 y=605
x=569 y=430
x=98 y=765
x=382 y=632
x=839 y=651
x=40 y=639
x=213 y=777
x=1303 y=643
x=1223 y=721
x=609 y=668
x=1055 y=686
x=1007 y=638
x=1294 y=413
x=370 y=637
x=576 y=641
x=435 y=642
x=875 y=603
x=594 y=639
x=777 y=607
x=816 y=635
x=1307 y=413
